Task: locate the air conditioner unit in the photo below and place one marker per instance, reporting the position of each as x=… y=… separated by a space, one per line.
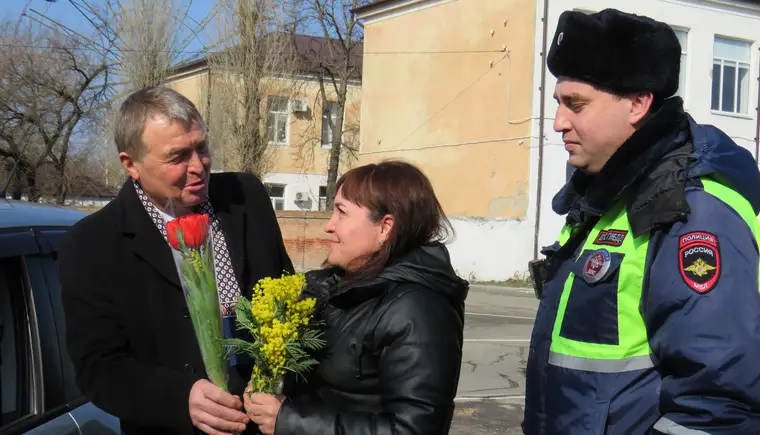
x=302 y=197
x=299 y=105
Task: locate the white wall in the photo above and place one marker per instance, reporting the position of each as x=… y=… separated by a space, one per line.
x=487 y=249
x=294 y=183
x=703 y=19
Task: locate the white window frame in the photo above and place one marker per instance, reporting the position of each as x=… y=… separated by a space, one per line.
x=739 y=64
x=279 y=114
x=277 y=199
x=683 y=77
x=334 y=120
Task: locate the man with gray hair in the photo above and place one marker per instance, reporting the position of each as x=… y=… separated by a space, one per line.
x=129 y=332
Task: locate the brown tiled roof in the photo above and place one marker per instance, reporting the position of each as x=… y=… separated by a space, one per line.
x=311 y=51
x=314 y=50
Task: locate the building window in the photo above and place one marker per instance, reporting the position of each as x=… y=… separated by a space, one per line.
x=329 y=121
x=730 y=76
x=683 y=39
x=277 y=123
x=276 y=195
x=322 y=198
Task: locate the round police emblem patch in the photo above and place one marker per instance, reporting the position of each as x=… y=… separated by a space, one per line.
x=596 y=266
x=699 y=260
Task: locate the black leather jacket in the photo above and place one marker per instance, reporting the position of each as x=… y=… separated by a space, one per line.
x=393 y=355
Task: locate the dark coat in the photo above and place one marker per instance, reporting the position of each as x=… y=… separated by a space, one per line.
x=393 y=355
x=128 y=329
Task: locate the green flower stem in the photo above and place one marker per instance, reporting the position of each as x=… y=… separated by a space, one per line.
x=199 y=284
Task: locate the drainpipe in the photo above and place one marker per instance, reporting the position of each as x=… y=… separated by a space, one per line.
x=757 y=115
x=541 y=123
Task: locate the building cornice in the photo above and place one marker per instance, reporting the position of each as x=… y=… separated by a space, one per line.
x=390 y=8
x=748 y=5
x=382 y=9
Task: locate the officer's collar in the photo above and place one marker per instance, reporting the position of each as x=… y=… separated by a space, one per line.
x=666 y=130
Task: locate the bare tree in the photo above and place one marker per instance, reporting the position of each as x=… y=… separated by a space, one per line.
x=152 y=36
x=252 y=73
x=49 y=91
x=336 y=58
x=141 y=40
x=17 y=142
x=322 y=127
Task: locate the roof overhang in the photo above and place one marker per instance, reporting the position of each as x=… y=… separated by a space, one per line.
x=385 y=8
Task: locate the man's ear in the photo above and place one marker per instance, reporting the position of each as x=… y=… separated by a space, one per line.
x=128 y=162
x=640 y=105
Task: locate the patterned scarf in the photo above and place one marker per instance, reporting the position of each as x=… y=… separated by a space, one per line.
x=227 y=284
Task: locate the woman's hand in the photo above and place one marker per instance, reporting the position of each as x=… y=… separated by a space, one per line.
x=263 y=409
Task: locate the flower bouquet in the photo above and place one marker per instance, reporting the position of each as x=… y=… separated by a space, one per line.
x=188 y=235
x=284 y=338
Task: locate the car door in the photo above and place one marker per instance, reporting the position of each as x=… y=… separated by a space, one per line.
x=24 y=405
x=43 y=274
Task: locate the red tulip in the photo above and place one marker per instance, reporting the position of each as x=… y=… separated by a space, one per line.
x=193 y=228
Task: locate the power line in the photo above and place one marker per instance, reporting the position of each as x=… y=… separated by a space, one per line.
x=447 y=145
x=50 y=47
x=433 y=52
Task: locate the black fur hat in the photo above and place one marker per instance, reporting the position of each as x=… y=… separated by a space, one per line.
x=617 y=51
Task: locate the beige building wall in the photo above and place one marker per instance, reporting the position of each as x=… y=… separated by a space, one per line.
x=440 y=91
x=303 y=153
x=190 y=85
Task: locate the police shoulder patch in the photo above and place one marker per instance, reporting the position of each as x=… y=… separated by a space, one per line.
x=699 y=260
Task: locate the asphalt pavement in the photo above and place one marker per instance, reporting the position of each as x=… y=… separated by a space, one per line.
x=491 y=392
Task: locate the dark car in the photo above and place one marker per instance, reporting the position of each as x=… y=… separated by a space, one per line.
x=39 y=394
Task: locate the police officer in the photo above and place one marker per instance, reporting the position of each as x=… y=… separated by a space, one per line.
x=649 y=318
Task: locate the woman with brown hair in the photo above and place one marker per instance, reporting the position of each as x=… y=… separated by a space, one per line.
x=394 y=310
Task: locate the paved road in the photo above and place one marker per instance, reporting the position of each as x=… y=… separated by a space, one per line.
x=492 y=384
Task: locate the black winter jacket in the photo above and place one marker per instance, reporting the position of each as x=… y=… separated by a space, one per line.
x=393 y=355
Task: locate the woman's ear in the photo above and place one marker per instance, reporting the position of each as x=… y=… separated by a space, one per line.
x=386 y=227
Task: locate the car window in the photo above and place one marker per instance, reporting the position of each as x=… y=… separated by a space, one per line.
x=14 y=344
x=43 y=270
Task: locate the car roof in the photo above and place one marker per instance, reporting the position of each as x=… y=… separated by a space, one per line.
x=22 y=214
